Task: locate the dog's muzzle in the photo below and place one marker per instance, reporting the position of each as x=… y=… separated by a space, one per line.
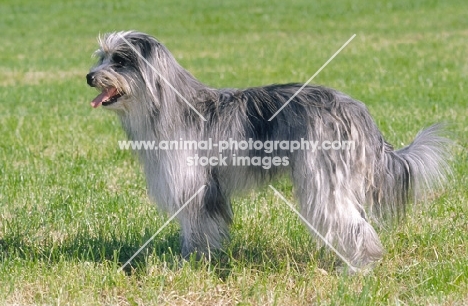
x=109 y=95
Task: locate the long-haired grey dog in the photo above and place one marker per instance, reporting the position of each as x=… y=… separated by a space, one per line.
x=337 y=190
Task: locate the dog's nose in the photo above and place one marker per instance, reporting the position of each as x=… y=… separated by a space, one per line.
x=90 y=79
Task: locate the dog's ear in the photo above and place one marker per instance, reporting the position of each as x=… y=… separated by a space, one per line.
x=145 y=44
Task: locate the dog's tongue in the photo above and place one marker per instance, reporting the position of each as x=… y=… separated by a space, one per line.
x=105 y=95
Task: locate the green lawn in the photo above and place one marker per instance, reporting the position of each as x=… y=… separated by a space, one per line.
x=73 y=207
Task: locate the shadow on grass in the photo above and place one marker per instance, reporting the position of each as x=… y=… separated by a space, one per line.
x=90 y=249
x=167 y=250
x=268 y=258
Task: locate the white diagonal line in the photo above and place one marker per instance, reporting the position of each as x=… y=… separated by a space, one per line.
x=354 y=269
x=312 y=77
x=161 y=76
x=161 y=228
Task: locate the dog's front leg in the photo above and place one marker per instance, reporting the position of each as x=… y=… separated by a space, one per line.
x=205 y=222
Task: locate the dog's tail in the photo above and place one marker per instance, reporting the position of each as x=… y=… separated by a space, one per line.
x=405 y=175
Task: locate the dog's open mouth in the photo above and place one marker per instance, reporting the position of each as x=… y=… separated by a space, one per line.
x=107 y=97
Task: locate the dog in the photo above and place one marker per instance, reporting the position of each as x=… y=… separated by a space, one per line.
x=339 y=192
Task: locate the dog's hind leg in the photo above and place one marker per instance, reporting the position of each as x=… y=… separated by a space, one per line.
x=332 y=207
x=354 y=235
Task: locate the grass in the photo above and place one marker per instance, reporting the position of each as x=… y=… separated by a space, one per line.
x=73 y=207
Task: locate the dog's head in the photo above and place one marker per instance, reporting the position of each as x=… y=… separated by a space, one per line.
x=123 y=70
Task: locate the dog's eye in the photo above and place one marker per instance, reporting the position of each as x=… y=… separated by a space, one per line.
x=119 y=60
